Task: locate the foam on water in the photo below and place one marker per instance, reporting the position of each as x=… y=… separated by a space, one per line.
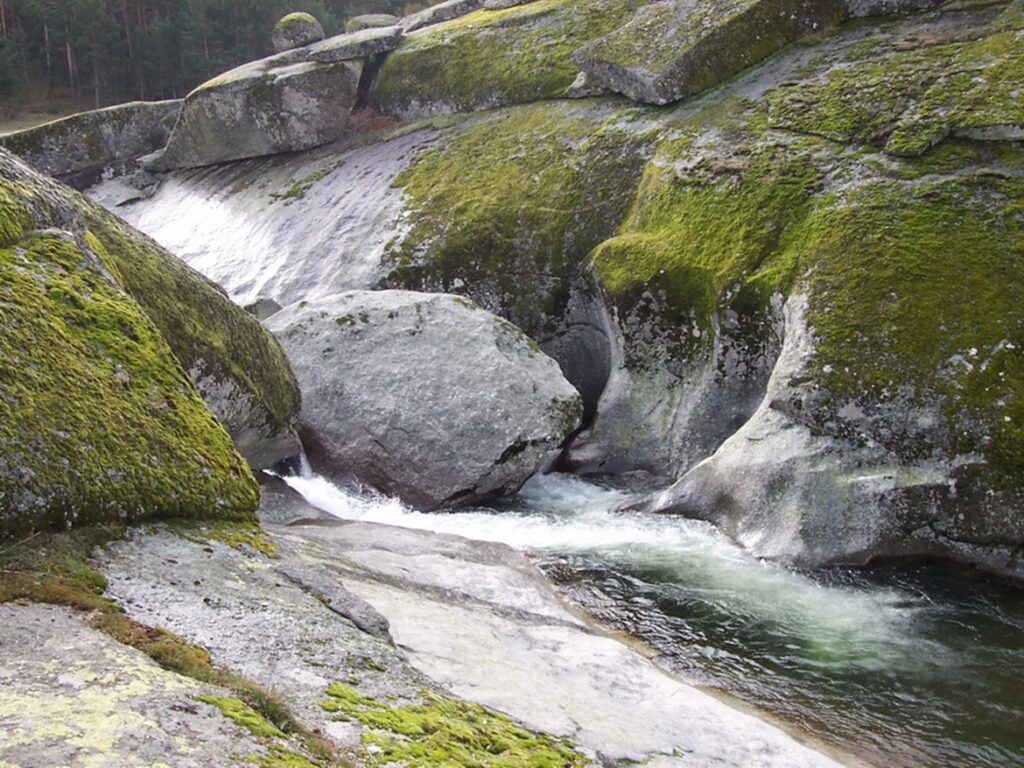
x=563 y=515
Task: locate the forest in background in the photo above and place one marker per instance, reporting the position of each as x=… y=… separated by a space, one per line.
x=92 y=53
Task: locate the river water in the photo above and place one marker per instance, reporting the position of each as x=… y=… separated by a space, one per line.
x=902 y=664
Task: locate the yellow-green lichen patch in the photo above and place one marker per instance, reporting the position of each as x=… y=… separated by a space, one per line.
x=98 y=421
x=244 y=715
x=507 y=210
x=240 y=535
x=917 y=295
x=495 y=58
x=979 y=91
x=56 y=569
x=443 y=732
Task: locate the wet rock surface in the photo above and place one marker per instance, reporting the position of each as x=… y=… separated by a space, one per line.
x=476 y=619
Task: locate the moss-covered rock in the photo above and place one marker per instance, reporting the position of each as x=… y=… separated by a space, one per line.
x=677 y=48
x=98 y=421
x=238 y=368
x=266 y=107
x=493 y=58
x=91 y=141
x=296 y=30
x=506 y=209
x=962 y=79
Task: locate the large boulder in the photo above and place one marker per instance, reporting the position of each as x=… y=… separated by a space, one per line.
x=425 y=396
x=492 y=58
x=371 y=21
x=98 y=419
x=237 y=367
x=296 y=30
x=355 y=45
x=677 y=48
x=81 y=146
x=267 y=107
x=438 y=13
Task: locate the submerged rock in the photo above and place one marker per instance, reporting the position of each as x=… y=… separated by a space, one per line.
x=424 y=396
x=296 y=30
x=263 y=108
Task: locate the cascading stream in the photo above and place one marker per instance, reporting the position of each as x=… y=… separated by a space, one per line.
x=904 y=664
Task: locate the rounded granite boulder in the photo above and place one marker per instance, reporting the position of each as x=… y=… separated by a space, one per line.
x=296 y=30
x=424 y=396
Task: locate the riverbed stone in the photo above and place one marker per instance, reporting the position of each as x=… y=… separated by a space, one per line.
x=472 y=618
x=424 y=396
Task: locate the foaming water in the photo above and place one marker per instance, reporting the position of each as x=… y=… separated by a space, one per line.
x=907 y=665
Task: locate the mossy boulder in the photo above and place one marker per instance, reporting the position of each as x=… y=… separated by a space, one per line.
x=237 y=367
x=267 y=107
x=493 y=58
x=89 y=142
x=98 y=419
x=854 y=315
x=296 y=30
x=677 y=48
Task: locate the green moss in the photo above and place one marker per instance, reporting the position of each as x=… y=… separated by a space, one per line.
x=243 y=715
x=685 y=49
x=862 y=101
x=204 y=329
x=979 y=89
x=917 y=295
x=507 y=211
x=14 y=215
x=495 y=58
x=448 y=733
x=701 y=236
x=98 y=421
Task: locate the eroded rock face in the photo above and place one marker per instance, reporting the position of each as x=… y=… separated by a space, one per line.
x=90 y=142
x=425 y=396
x=296 y=30
x=263 y=108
